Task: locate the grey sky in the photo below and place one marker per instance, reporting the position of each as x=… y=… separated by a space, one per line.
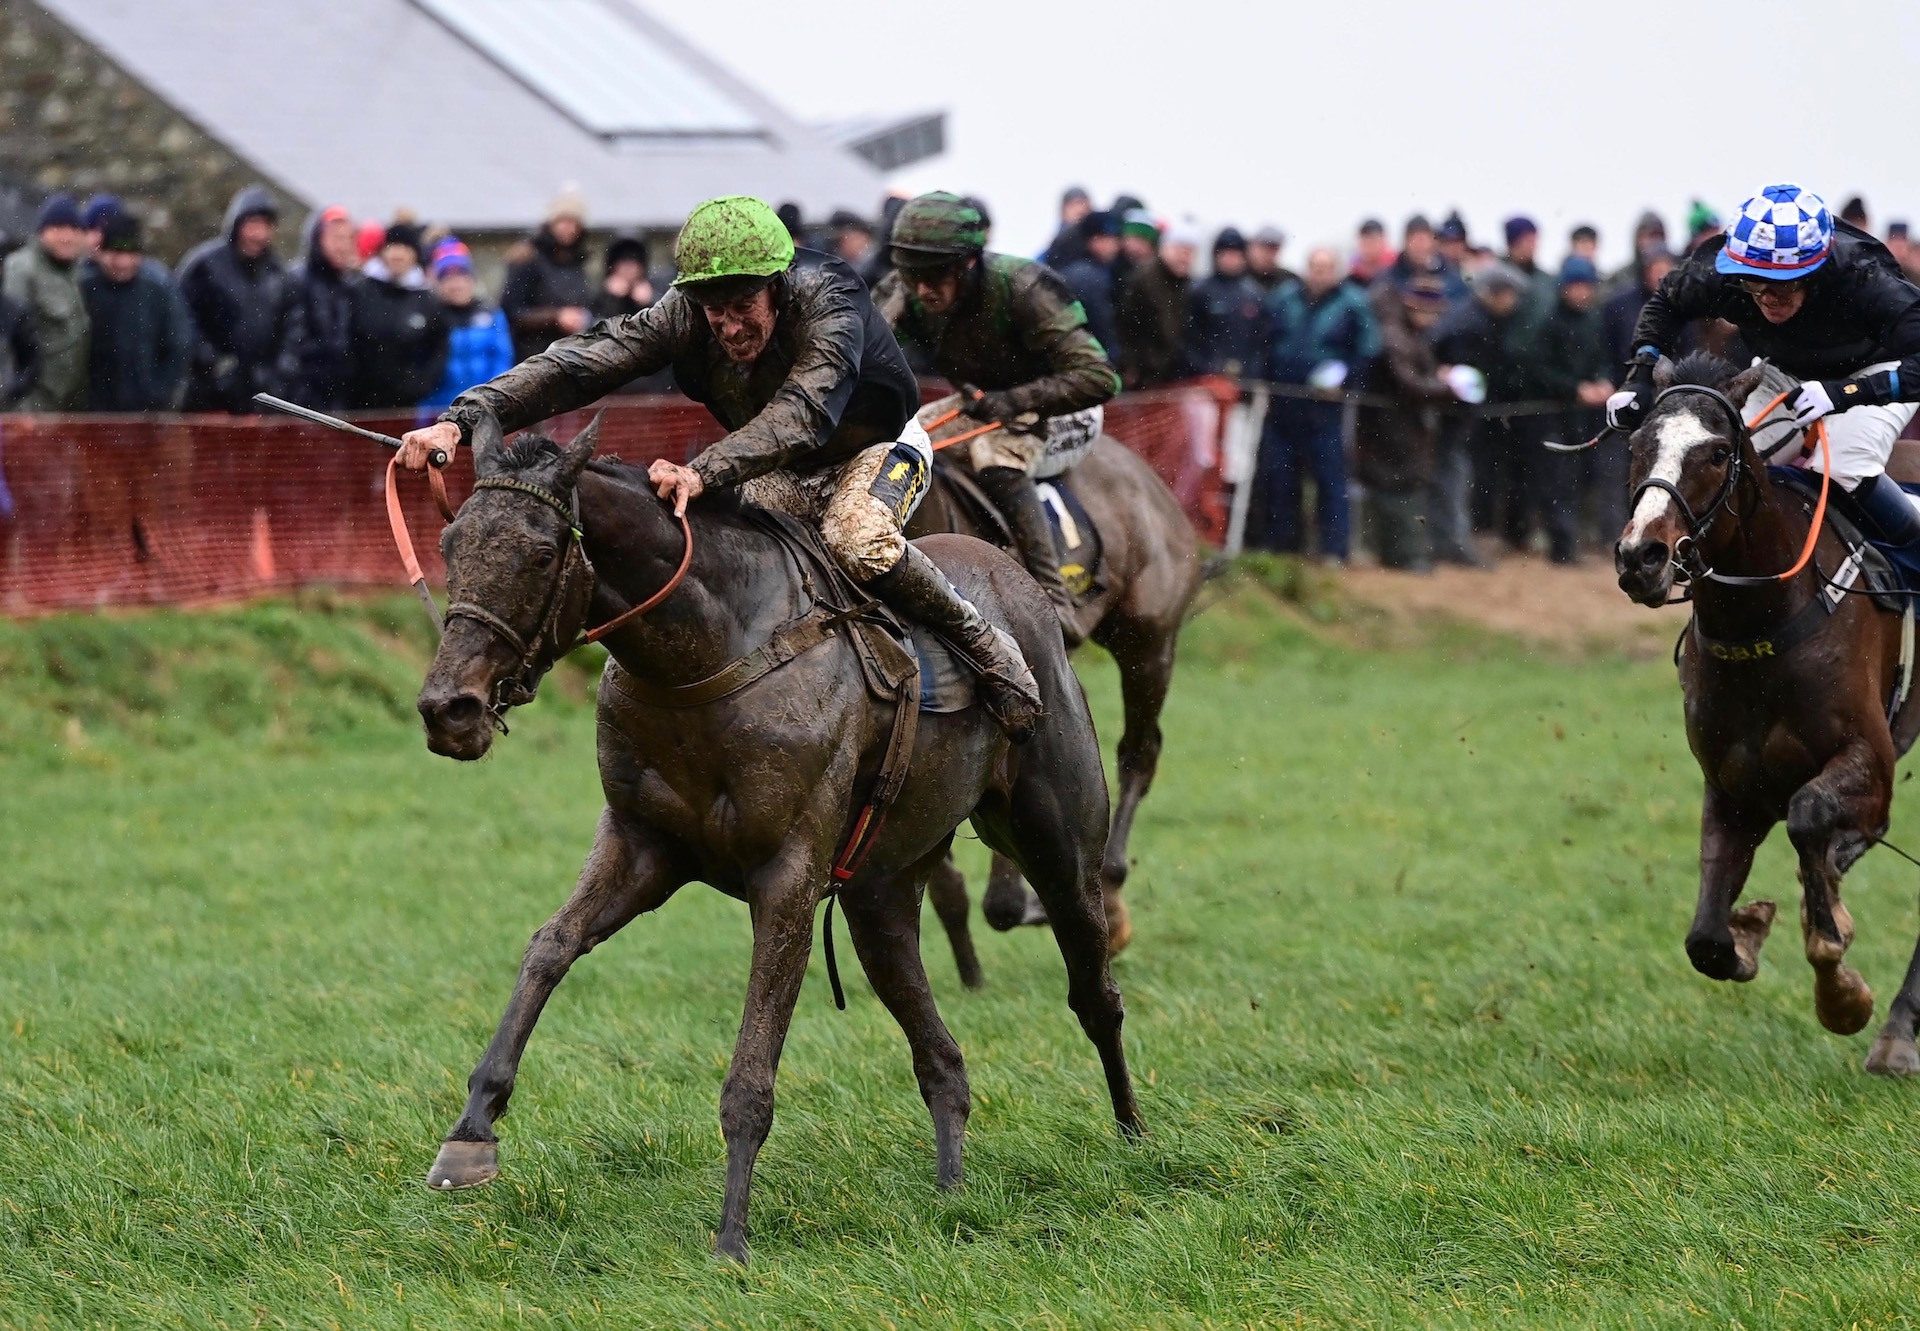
x=1314 y=116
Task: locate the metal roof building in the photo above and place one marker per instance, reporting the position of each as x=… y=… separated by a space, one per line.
x=475 y=112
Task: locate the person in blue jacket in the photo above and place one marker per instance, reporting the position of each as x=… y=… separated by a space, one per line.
x=480 y=345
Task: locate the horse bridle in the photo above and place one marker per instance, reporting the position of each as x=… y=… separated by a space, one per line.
x=1686 y=551
x=519 y=687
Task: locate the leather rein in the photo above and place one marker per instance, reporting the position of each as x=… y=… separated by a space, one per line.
x=518 y=688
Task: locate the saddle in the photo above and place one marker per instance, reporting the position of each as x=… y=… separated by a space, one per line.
x=1075 y=537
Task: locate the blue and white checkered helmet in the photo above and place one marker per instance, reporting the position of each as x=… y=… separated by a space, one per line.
x=1782 y=233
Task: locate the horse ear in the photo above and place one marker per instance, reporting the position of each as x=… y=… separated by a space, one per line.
x=1662 y=374
x=575 y=454
x=487 y=440
x=1742 y=385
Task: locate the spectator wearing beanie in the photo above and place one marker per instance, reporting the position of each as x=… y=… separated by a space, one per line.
x=1565 y=359
x=627 y=288
x=141 y=338
x=399 y=330
x=479 y=344
x=1091 y=277
x=1394 y=446
x=1372 y=255
x=1225 y=318
x=43 y=279
x=236 y=295
x=547 y=295
x=1523 y=249
x=1420 y=257
x=1153 y=312
x=1450 y=238
x=316 y=362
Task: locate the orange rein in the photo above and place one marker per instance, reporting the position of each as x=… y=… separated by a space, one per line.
x=964 y=435
x=1819 y=433
x=403 y=542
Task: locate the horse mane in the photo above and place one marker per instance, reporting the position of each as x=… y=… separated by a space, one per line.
x=529 y=450
x=1705 y=369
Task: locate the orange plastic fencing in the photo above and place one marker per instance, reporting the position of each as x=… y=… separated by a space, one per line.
x=103 y=511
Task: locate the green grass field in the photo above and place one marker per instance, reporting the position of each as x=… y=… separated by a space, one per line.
x=1417 y=1040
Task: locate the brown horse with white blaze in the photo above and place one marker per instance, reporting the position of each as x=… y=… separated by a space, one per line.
x=1786 y=689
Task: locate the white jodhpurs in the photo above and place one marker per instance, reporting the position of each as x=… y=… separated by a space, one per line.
x=1861 y=440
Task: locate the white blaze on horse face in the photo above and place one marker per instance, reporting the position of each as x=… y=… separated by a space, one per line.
x=1678 y=435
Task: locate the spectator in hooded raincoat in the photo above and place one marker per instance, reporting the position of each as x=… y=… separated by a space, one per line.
x=142 y=339
x=1394 y=446
x=316 y=362
x=42 y=278
x=236 y=294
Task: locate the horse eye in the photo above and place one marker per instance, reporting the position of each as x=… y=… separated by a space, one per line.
x=1720 y=456
x=543 y=556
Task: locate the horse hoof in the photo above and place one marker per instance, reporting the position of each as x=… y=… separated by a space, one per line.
x=1893 y=1056
x=464 y=1165
x=1004 y=910
x=1119 y=926
x=1842 y=1000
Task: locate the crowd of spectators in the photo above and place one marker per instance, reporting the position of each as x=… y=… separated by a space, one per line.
x=371 y=315
x=1420 y=377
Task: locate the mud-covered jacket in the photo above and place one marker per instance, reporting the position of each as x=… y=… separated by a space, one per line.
x=1860 y=310
x=1017 y=329
x=831 y=382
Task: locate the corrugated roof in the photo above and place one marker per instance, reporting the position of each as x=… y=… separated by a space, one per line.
x=376 y=104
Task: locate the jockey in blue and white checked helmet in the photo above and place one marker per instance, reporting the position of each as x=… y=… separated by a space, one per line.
x=1781 y=234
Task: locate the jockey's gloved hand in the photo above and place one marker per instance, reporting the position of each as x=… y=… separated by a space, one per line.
x=1628 y=407
x=987 y=406
x=1812 y=400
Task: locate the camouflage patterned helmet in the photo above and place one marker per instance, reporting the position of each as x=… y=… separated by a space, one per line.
x=937 y=230
x=731 y=245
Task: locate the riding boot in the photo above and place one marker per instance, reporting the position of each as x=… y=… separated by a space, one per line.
x=1890 y=510
x=918 y=589
x=1012 y=492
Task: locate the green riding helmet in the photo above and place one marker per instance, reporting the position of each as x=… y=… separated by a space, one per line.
x=731 y=247
x=937 y=230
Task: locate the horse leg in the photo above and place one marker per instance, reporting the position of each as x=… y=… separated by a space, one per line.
x=885 y=923
x=948 y=888
x=783 y=896
x=1061 y=861
x=1723 y=943
x=1008 y=904
x=1146 y=672
x=1894 y=1053
x=1830 y=820
x=625 y=875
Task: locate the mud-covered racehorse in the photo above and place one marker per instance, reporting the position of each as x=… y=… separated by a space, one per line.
x=753 y=789
x=1787 y=691
x=1149 y=573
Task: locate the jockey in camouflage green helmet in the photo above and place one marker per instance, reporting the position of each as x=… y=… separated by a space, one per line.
x=785 y=348
x=1010 y=336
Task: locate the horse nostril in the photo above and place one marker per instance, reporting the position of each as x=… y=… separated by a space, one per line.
x=459 y=709
x=1654 y=556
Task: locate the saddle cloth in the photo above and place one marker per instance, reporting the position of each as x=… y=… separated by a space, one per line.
x=880 y=637
x=1075 y=538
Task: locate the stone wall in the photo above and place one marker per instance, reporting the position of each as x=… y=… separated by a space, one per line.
x=71 y=119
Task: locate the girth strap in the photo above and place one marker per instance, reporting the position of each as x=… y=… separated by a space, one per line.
x=792 y=639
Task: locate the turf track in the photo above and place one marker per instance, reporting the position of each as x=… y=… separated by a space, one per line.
x=1417 y=1038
